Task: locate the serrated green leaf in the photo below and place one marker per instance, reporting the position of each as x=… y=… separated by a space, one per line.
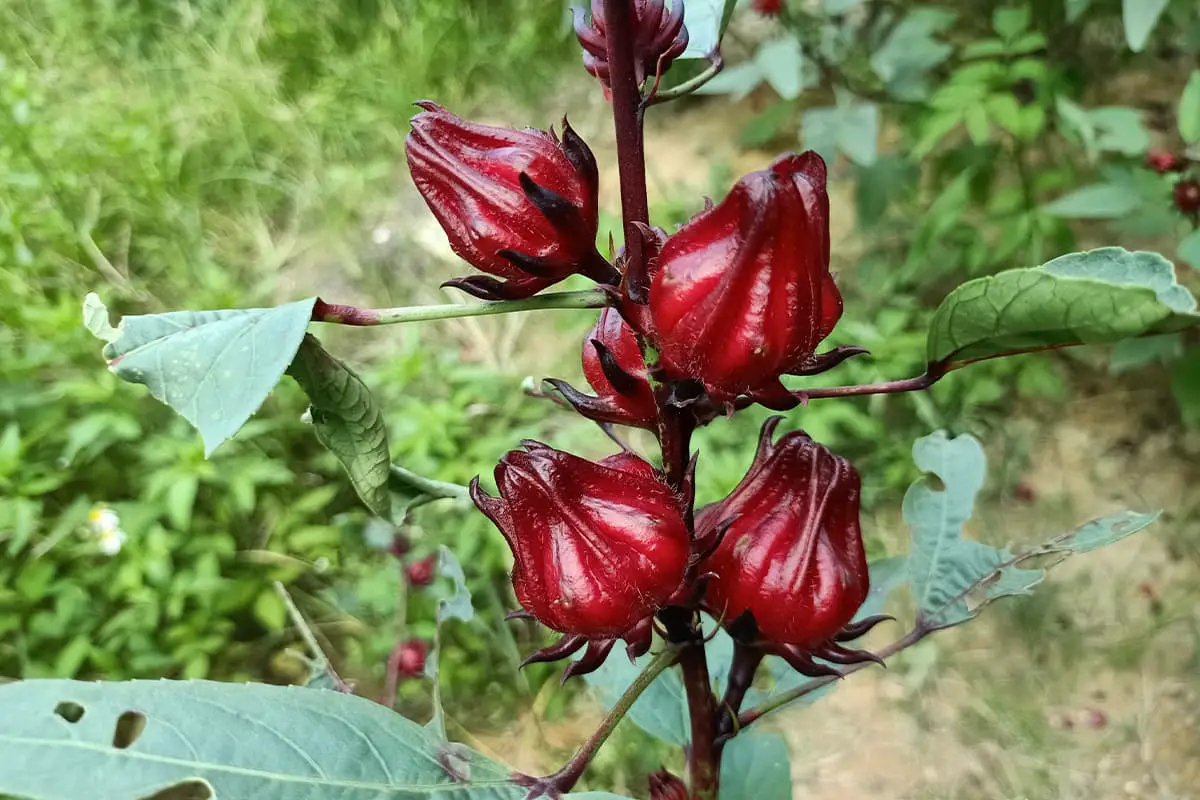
x=239 y=741
x=1189 y=110
x=754 y=766
x=346 y=421
x=1098 y=201
x=456 y=604
x=706 y=21
x=215 y=368
x=95 y=319
x=1140 y=17
x=1095 y=297
x=660 y=711
x=953 y=578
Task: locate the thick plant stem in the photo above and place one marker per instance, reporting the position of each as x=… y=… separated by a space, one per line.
x=368 y=317
x=704 y=759
x=619 y=22
x=565 y=779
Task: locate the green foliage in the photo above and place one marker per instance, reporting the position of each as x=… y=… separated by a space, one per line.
x=755 y=767
x=66 y=739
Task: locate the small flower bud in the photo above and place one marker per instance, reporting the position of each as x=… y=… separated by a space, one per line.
x=420 y=573
x=792 y=554
x=614 y=366
x=519 y=205
x=659 y=38
x=742 y=294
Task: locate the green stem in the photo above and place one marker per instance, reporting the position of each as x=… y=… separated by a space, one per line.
x=715 y=64
x=565 y=779
x=367 y=317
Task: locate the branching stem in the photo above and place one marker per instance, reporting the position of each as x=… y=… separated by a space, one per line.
x=368 y=317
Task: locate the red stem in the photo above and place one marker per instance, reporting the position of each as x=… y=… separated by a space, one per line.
x=704 y=757
x=619 y=22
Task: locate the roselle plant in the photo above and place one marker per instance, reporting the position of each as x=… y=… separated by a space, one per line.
x=725 y=612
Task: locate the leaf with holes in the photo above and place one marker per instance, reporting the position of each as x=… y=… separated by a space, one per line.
x=706 y=21
x=952 y=577
x=1096 y=297
x=213 y=367
x=347 y=421
x=63 y=740
x=452 y=604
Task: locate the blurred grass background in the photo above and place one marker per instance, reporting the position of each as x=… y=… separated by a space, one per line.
x=210 y=153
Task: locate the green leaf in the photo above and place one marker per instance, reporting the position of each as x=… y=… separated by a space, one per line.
x=754 y=766
x=1140 y=17
x=904 y=59
x=214 y=368
x=782 y=64
x=1076 y=9
x=953 y=578
x=736 y=81
x=660 y=711
x=706 y=21
x=1119 y=129
x=1189 y=249
x=137 y=739
x=454 y=605
x=1133 y=353
x=95 y=319
x=1098 y=201
x=1189 y=110
x=1185 y=386
x=850 y=127
x=1009 y=22
x=347 y=421
x=1095 y=297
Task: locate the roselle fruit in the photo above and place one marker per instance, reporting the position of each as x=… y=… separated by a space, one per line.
x=598 y=547
x=659 y=38
x=1164 y=161
x=519 y=205
x=615 y=369
x=1187 y=196
x=420 y=573
x=742 y=294
x=790 y=559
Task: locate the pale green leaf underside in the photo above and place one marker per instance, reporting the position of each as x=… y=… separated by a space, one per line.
x=660 y=711
x=347 y=421
x=214 y=368
x=953 y=578
x=706 y=21
x=244 y=740
x=754 y=766
x=1097 y=297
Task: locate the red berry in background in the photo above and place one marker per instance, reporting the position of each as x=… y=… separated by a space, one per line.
x=400 y=546
x=768 y=8
x=1187 y=196
x=742 y=294
x=519 y=205
x=659 y=38
x=1164 y=161
x=793 y=555
x=613 y=365
x=598 y=547
x=420 y=573
x=408 y=659
x=665 y=786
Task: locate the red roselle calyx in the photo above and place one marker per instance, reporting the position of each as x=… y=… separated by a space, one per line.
x=1164 y=161
x=519 y=205
x=614 y=366
x=659 y=38
x=742 y=294
x=598 y=547
x=408 y=659
x=420 y=573
x=1187 y=196
x=790 y=570
x=665 y=786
